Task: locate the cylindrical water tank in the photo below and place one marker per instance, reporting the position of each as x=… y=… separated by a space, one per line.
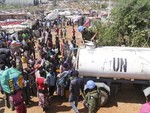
x=114 y=62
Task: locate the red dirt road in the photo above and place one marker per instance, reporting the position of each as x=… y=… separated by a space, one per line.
x=128 y=100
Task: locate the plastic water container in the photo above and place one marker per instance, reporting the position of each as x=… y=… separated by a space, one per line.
x=23 y=59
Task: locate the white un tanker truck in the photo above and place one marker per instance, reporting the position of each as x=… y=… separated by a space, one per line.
x=109 y=65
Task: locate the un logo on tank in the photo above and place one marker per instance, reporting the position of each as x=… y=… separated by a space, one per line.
x=120 y=64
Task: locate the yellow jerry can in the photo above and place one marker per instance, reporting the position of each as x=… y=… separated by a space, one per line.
x=23 y=59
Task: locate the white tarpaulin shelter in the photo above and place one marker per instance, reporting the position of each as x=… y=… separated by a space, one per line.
x=65 y=13
x=75 y=18
x=51 y=16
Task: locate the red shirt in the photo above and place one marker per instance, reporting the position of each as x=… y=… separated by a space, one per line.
x=41 y=82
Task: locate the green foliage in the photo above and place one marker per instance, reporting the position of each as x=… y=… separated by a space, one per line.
x=105 y=34
x=132 y=18
x=104 y=5
x=130 y=24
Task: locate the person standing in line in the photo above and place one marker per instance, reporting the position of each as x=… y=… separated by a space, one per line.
x=65 y=32
x=18 y=102
x=51 y=80
x=61 y=33
x=63 y=22
x=50 y=34
x=42 y=90
x=57 y=31
x=74 y=89
x=75 y=46
x=73 y=32
x=45 y=36
x=26 y=88
x=8 y=102
x=48 y=24
x=73 y=41
x=2 y=68
x=32 y=49
x=49 y=43
x=18 y=61
x=66 y=50
x=62 y=47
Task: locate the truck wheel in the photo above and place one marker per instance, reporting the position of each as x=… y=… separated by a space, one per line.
x=104 y=97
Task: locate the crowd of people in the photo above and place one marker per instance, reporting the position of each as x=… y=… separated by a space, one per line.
x=49 y=71
x=50 y=60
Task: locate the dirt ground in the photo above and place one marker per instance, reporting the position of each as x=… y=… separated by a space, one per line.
x=128 y=100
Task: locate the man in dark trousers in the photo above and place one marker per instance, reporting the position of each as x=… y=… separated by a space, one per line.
x=74 y=89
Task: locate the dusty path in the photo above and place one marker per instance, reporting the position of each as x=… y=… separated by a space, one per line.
x=128 y=100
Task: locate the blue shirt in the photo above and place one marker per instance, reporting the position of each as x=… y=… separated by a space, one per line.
x=51 y=79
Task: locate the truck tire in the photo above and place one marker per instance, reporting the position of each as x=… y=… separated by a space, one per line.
x=104 y=97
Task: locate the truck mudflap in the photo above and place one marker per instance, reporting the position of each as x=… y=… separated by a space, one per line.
x=146 y=91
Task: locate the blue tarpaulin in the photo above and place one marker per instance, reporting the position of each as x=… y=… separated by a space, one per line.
x=11 y=79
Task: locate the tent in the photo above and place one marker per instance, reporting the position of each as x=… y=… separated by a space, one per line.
x=65 y=13
x=75 y=18
x=51 y=16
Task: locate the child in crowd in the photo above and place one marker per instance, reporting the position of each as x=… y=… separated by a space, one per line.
x=18 y=102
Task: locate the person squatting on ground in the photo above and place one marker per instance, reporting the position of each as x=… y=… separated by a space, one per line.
x=92 y=97
x=75 y=86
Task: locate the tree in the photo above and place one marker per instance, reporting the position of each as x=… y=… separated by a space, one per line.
x=132 y=19
x=130 y=24
x=106 y=34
